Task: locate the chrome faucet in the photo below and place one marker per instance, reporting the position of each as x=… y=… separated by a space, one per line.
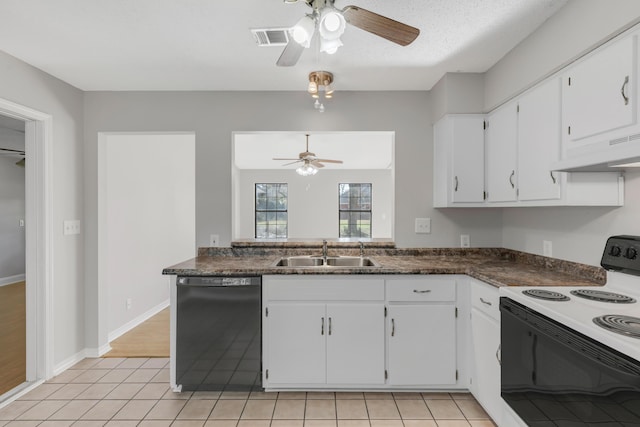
x=324 y=252
x=361 y=249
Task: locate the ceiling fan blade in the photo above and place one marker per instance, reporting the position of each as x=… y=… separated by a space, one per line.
x=290 y=54
x=285 y=158
x=317 y=164
x=381 y=26
x=328 y=161
x=292 y=163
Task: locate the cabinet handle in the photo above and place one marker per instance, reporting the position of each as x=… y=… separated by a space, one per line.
x=329 y=325
x=393 y=327
x=622 y=90
x=498 y=354
x=426 y=291
x=513 y=172
x=322 y=327
x=553 y=178
x=485 y=302
x=455 y=188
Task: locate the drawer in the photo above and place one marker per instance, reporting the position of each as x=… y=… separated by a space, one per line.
x=421 y=289
x=485 y=298
x=323 y=288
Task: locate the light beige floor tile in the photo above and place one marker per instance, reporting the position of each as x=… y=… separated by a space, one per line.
x=121 y=423
x=413 y=409
x=209 y=395
x=172 y=395
x=292 y=395
x=482 y=423
x=108 y=363
x=254 y=423
x=42 y=391
x=56 y=423
x=289 y=409
x=152 y=391
x=220 y=423
x=124 y=391
x=435 y=396
x=382 y=410
x=69 y=391
x=133 y=363
x=419 y=423
x=15 y=409
x=166 y=410
x=263 y=395
x=135 y=410
x=104 y=410
x=24 y=423
x=86 y=363
x=319 y=423
x=349 y=395
x=42 y=410
x=229 y=409
x=142 y=375
x=161 y=377
x=453 y=423
x=155 y=423
x=197 y=410
x=354 y=423
x=258 y=410
x=386 y=423
x=156 y=363
x=320 y=409
x=462 y=396
x=472 y=409
x=74 y=410
x=90 y=376
x=188 y=423
x=407 y=396
x=239 y=395
x=378 y=396
x=116 y=375
x=287 y=423
x=444 y=409
x=321 y=395
x=66 y=376
x=351 y=409
x=97 y=391
x=87 y=423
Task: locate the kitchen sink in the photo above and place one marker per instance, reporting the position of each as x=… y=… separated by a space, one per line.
x=331 y=262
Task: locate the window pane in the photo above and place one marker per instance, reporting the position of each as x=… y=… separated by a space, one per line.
x=354 y=210
x=271 y=211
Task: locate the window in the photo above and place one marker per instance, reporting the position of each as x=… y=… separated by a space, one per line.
x=355 y=210
x=271 y=211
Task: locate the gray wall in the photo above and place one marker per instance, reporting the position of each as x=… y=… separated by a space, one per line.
x=12 y=196
x=26 y=85
x=577 y=234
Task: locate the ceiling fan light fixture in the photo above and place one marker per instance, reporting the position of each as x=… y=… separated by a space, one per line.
x=330 y=46
x=320 y=81
x=307 y=169
x=331 y=23
x=313 y=87
x=303 y=31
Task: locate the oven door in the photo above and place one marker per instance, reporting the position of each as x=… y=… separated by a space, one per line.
x=555 y=376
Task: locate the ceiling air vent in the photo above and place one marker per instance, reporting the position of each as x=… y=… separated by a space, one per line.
x=271 y=36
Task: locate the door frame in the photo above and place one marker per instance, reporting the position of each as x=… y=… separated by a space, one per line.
x=38 y=238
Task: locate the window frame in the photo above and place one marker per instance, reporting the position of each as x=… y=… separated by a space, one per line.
x=276 y=211
x=370 y=210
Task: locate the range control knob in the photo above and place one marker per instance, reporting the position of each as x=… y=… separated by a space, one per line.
x=615 y=251
x=631 y=253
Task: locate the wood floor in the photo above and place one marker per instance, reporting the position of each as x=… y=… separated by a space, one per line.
x=13 y=336
x=149 y=339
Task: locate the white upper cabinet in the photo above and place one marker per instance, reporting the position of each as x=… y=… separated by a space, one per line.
x=599 y=92
x=458 y=160
x=539 y=142
x=501 y=154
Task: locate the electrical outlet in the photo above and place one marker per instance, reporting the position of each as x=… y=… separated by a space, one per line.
x=21 y=223
x=423 y=225
x=129 y=301
x=214 y=240
x=71 y=226
x=464 y=241
x=547 y=248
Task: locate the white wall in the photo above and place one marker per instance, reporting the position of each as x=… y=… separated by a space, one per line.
x=12 y=210
x=26 y=85
x=577 y=233
x=313 y=200
x=148 y=190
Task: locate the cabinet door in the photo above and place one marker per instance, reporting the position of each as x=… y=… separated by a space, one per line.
x=486 y=341
x=355 y=343
x=468 y=160
x=502 y=137
x=296 y=335
x=599 y=92
x=539 y=142
x=422 y=344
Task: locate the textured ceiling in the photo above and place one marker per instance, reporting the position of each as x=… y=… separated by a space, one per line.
x=207 y=45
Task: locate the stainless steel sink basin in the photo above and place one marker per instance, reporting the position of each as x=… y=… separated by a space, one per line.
x=332 y=262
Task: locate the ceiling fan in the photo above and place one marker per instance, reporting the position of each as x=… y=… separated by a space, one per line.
x=331 y=22
x=310 y=163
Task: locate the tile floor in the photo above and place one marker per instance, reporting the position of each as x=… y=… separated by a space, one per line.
x=135 y=392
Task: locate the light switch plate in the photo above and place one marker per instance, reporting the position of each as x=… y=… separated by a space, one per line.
x=214 y=240
x=423 y=225
x=465 y=241
x=71 y=226
x=547 y=248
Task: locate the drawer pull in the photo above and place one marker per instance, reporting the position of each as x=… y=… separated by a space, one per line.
x=322 y=327
x=393 y=327
x=485 y=302
x=622 y=90
x=329 y=325
x=426 y=291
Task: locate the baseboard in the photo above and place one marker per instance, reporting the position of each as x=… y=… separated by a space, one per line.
x=18 y=392
x=98 y=352
x=69 y=362
x=138 y=320
x=12 y=279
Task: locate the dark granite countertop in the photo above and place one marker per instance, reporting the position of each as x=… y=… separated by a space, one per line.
x=499 y=267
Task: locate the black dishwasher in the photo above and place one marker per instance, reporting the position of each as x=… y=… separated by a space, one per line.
x=218 y=334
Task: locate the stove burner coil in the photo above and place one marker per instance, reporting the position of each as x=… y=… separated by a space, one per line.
x=603 y=296
x=545 y=295
x=623 y=325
